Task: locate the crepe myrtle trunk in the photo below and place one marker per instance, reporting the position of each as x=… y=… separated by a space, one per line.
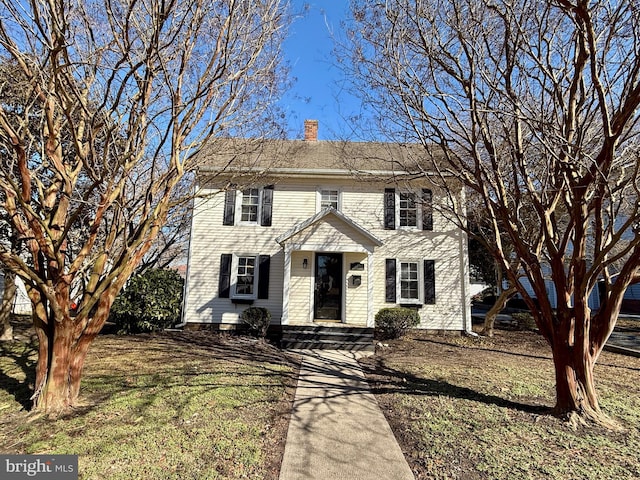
x=575 y=387
x=575 y=351
x=63 y=346
x=498 y=306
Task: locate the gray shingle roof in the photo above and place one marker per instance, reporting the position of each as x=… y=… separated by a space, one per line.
x=289 y=155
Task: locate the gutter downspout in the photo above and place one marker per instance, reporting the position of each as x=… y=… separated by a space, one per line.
x=464 y=281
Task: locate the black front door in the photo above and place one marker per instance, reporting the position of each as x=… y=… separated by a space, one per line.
x=328 y=288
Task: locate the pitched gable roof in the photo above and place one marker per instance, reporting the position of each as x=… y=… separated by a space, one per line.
x=298 y=156
x=321 y=215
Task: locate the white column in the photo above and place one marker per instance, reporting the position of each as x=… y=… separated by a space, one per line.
x=286 y=288
x=370 y=297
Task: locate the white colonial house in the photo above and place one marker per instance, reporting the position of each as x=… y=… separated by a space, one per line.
x=322 y=233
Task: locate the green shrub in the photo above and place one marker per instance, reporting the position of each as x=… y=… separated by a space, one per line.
x=257 y=319
x=150 y=302
x=524 y=321
x=394 y=322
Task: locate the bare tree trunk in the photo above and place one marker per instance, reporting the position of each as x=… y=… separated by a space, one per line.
x=498 y=306
x=55 y=396
x=63 y=346
x=576 y=396
x=6 y=330
x=59 y=369
x=575 y=351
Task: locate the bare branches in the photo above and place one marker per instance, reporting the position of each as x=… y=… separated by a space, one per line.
x=535 y=108
x=113 y=99
x=127 y=91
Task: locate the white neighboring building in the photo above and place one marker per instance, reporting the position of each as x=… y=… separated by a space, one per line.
x=21 y=302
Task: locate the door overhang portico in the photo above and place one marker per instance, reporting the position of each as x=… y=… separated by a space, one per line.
x=327 y=232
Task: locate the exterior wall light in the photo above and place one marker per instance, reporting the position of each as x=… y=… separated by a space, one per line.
x=305 y=263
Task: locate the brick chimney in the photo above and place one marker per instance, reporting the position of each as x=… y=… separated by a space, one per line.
x=311 y=130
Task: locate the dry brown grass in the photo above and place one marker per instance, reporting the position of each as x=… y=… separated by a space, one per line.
x=479 y=409
x=172 y=405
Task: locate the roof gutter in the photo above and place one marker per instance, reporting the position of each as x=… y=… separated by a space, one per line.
x=305 y=172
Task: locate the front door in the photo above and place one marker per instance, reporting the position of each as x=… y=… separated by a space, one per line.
x=328 y=286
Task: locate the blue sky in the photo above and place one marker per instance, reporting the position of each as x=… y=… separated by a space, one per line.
x=317 y=92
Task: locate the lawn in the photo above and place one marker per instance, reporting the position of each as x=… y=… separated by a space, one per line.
x=465 y=408
x=176 y=405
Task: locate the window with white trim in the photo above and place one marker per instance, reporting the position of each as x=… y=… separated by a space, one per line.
x=244 y=278
x=250 y=205
x=409 y=282
x=407 y=209
x=328 y=197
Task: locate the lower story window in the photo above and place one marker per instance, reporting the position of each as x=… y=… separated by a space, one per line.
x=245 y=277
x=409 y=281
x=413 y=283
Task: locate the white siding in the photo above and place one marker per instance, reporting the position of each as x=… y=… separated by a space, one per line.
x=301 y=297
x=356 y=295
x=294 y=201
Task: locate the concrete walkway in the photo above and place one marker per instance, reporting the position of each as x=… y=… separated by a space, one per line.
x=337 y=430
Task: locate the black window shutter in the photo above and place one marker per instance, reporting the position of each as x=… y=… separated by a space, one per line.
x=389 y=208
x=267 y=205
x=427 y=209
x=429 y=282
x=390 y=285
x=264 y=262
x=224 y=286
x=229 y=207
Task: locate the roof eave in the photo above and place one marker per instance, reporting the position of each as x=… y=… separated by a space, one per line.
x=306 y=172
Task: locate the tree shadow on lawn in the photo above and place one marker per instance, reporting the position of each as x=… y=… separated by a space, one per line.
x=177 y=346
x=22 y=356
x=397 y=381
x=488 y=348
x=250 y=363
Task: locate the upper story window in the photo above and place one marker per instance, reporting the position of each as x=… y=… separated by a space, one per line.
x=328 y=197
x=408 y=209
x=251 y=206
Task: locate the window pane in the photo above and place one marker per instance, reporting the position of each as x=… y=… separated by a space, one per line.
x=245 y=275
x=329 y=198
x=409 y=285
x=408 y=210
x=250 y=202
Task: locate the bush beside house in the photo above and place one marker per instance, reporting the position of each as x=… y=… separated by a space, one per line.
x=395 y=321
x=150 y=302
x=257 y=319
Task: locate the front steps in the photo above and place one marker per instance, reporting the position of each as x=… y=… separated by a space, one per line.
x=302 y=337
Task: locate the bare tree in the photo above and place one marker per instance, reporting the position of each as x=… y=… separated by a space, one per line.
x=118 y=96
x=533 y=106
x=170 y=248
